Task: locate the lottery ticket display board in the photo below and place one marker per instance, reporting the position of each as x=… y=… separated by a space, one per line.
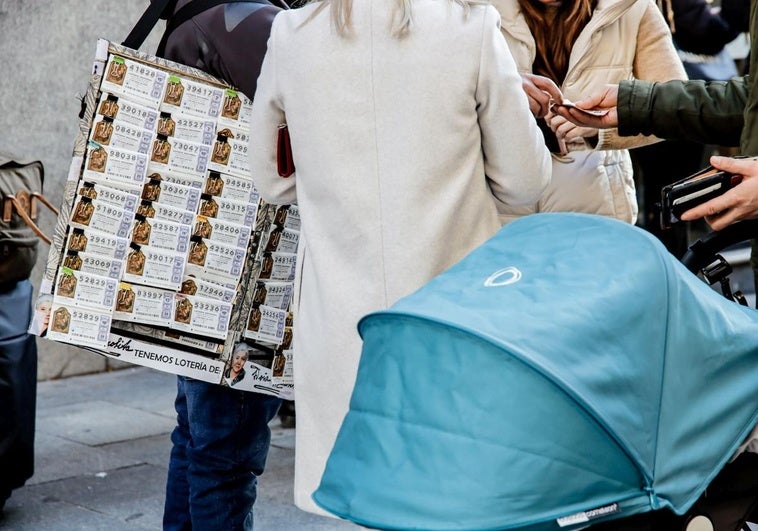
x=163 y=254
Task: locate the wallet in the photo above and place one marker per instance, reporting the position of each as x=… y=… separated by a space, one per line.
x=694 y=190
x=284 y=162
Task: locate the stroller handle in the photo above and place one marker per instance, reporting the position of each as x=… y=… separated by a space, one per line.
x=702 y=252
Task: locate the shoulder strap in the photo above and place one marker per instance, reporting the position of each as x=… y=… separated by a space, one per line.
x=145 y=24
x=194 y=8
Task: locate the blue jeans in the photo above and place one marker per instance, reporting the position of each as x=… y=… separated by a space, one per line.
x=220 y=446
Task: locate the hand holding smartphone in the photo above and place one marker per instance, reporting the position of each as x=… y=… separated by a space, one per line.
x=591 y=112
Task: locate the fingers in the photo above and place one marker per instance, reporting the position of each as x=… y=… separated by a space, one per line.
x=711 y=210
x=541 y=92
x=548 y=86
x=608 y=97
x=737 y=166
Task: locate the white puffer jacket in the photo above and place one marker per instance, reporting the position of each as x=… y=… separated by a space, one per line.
x=624 y=39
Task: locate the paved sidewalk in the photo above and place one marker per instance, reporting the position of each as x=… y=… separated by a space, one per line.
x=102 y=452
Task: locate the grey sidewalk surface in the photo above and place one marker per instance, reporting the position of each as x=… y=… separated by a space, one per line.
x=102 y=450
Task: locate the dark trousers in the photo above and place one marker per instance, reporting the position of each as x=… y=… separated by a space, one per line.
x=18 y=388
x=221 y=442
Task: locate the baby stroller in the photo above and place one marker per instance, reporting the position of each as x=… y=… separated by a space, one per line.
x=568 y=373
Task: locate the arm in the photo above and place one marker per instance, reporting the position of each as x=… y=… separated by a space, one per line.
x=655 y=59
x=700 y=111
x=516 y=161
x=267 y=115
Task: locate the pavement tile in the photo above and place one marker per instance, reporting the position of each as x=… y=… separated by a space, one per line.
x=127 y=498
x=152 y=450
x=57 y=458
x=138 y=387
x=98 y=422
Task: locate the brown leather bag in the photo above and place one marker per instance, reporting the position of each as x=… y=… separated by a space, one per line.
x=20 y=192
x=284 y=162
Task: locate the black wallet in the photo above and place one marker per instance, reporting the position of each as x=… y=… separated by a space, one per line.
x=694 y=190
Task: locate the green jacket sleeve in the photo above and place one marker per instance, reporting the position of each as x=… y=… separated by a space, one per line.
x=709 y=112
x=750 y=132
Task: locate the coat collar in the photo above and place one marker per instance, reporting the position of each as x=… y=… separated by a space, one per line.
x=514 y=24
x=606 y=12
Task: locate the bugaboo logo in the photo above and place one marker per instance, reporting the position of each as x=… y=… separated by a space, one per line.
x=503 y=277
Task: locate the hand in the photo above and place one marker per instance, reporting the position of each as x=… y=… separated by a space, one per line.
x=741 y=202
x=606 y=99
x=541 y=92
x=567 y=131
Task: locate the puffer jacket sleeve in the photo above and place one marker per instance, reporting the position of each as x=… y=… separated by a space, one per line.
x=267 y=115
x=516 y=161
x=710 y=112
x=655 y=59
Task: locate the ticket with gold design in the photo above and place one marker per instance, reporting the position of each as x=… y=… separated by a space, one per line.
x=170 y=193
x=231 y=187
x=84 y=290
x=198 y=315
x=210 y=290
x=104 y=216
x=172 y=155
x=278 y=266
x=215 y=261
x=281 y=370
x=230 y=155
x=287 y=217
x=185 y=96
x=96 y=242
x=281 y=240
x=150 y=209
x=143 y=304
x=161 y=234
x=273 y=294
x=222 y=231
x=121 y=135
x=126 y=111
x=228 y=210
x=114 y=167
x=123 y=199
x=79 y=326
x=154 y=267
x=265 y=322
x=190 y=180
x=236 y=110
x=95 y=264
x=189 y=128
x=134 y=80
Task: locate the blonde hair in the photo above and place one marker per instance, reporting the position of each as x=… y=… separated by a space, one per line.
x=341 y=12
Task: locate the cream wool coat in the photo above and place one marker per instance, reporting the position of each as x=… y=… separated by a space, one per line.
x=624 y=39
x=402 y=147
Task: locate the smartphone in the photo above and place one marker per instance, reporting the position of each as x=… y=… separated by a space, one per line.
x=570 y=105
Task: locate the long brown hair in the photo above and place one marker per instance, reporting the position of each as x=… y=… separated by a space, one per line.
x=555 y=38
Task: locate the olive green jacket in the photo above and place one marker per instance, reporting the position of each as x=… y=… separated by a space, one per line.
x=710 y=112
x=716 y=112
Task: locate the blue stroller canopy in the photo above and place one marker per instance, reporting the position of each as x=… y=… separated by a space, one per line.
x=568 y=371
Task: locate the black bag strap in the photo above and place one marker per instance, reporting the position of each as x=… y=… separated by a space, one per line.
x=146 y=23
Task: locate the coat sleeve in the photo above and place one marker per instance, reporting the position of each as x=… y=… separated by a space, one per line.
x=516 y=161
x=655 y=59
x=267 y=115
x=709 y=112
